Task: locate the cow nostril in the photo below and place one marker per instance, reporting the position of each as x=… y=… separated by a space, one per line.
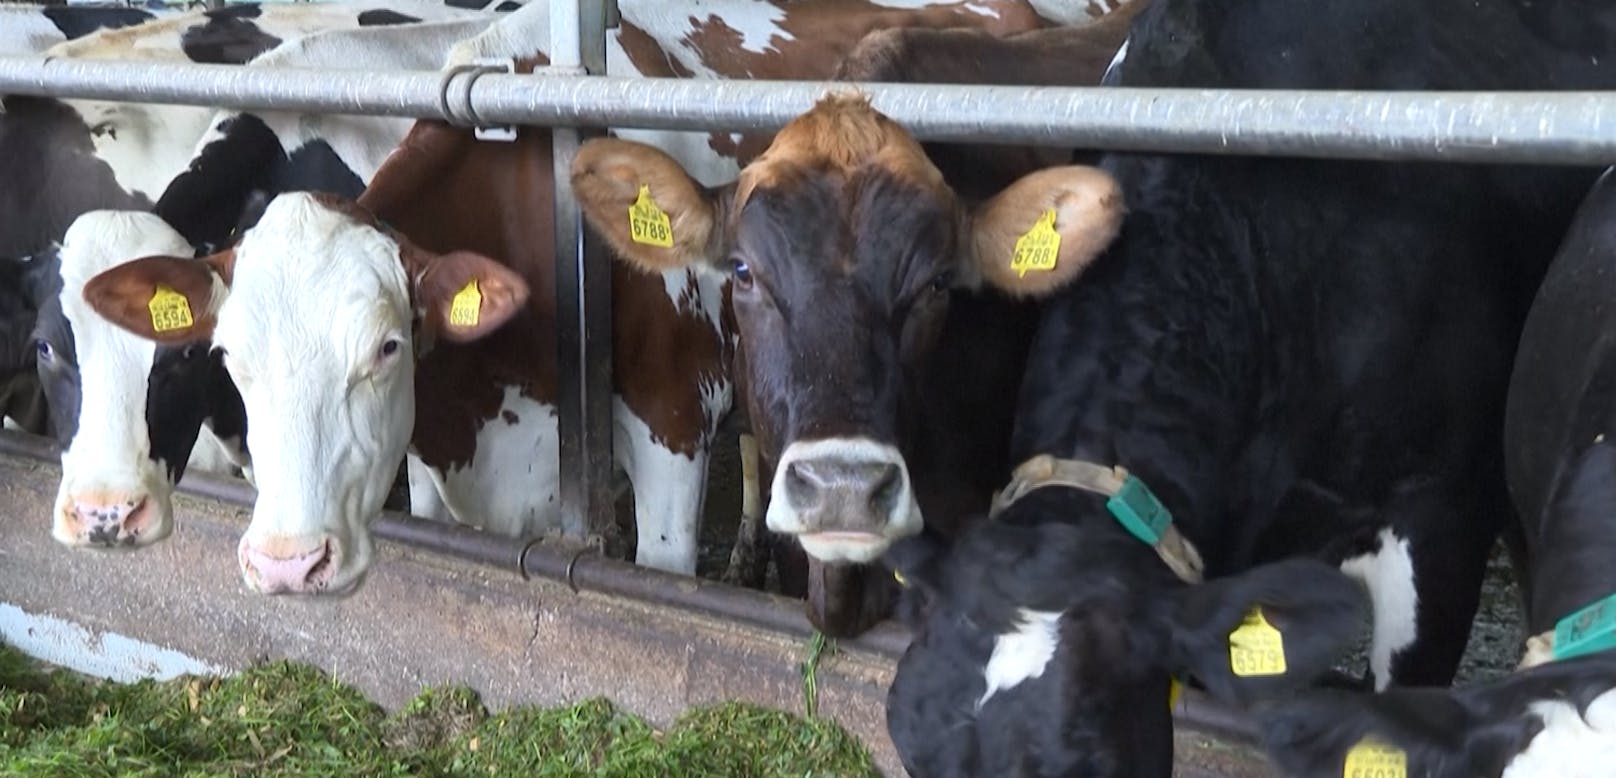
x=802 y=489
x=887 y=486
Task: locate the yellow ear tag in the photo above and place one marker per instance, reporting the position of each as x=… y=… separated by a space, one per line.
x=467 y=306
x=1256 y=648
x=648 y=223
x=169 y=310
x=897 y=576
x=1175 y=690
x=1038 y=248
x=1369 y=759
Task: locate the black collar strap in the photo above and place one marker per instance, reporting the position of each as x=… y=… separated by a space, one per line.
x=1130 y=503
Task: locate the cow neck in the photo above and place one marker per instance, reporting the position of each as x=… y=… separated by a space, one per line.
x=1146 y=363
x=1570 y=561
x=1129 y=501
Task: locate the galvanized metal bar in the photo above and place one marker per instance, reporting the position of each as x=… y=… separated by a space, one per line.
x=1543 y=127
x=583 y=301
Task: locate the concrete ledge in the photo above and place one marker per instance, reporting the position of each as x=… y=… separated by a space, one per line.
x=421 y=619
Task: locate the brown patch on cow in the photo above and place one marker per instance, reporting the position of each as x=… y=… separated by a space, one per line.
x=816 y=38
x=841 y=134
x=649 y=58
x=447 y=191
x=510 y=417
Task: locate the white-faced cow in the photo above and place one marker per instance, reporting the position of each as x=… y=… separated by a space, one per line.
x=1556 y=716
x=482 y=418
x=1275 y=358
x=181 y=390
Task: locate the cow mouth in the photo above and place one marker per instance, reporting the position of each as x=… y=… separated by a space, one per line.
x=845 y=536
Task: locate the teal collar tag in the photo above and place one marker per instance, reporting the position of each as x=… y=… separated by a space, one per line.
x=1139 y=512
x=1587 y=631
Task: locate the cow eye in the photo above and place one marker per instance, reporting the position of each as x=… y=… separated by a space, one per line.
x=389 y=348
x=44 y=349
x=942 y=282
x=741 y=271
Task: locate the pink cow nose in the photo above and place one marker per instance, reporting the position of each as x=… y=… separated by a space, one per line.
x=112 y=521
x=278 y=570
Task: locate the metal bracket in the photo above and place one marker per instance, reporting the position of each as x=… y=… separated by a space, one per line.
x=460 y=112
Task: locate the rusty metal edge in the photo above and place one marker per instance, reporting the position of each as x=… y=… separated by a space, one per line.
x=588 y=571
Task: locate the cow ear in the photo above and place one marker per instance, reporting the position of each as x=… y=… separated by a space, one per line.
x=465 y=295
x=1042 y=231
x=1332 y=732
x=171 y=300
x=651 y=212
x=1266 y=631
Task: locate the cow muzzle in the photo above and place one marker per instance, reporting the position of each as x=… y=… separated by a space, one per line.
x=845 y=499
x=292 y=565
x=109 y=520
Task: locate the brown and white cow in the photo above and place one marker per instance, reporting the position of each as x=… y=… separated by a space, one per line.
x=478 y=414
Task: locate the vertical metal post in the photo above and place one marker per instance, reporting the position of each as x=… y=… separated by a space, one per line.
x=583 y=300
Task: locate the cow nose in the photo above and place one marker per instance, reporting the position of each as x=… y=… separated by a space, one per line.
x=835 y=494
x=292 y=568
x=113 y=521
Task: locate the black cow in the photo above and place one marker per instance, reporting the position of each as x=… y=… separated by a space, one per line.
x=1292 y=357
x=1557 y=715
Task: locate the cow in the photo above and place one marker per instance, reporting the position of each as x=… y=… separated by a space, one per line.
x=30 y=29
x=481 y=418
x=175 y=392
x=1556 y=720
x=1274 y=358
x=930 y=435
x=1556 y=716
x=25 y=285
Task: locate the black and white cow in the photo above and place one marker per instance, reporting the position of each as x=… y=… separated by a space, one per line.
x=143 y=441
x=1556 y=716
x=1284 y=357
x=30 y=29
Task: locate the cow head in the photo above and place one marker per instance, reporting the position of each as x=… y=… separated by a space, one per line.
x=1047 y=650
x=127 y=410
x=844 y=244
x=1548 y=720
x=318 y=312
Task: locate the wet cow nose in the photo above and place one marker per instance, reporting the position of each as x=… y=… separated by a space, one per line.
x=844 y=495
x=277 y=569
x=112 y=521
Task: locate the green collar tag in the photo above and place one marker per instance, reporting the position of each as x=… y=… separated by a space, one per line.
x=1139 y=512
x=1587 y=631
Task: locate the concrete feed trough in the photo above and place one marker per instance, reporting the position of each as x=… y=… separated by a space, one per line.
x=654 y=643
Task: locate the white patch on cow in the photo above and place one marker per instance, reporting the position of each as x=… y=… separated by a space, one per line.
x=362 y=143
x=1389 y=575
x=25 y=30
x=1066 y=13
x=109 y=459
x=903 y=521
x=510 y=486
x=147 y=145
x=1570 y=745
x=981 y=10
x=1111 y=74
x=1022 y=654
x=315 y=296
x=672 y=24
x=668 y=491
x=522 y=34
x=426 y=493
